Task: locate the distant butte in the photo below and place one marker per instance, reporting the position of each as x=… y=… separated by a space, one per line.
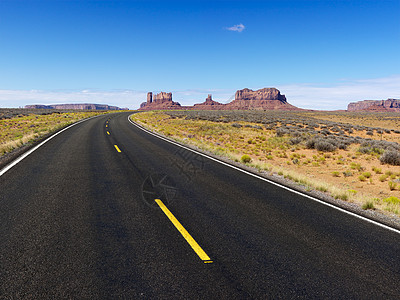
x=83 y=106
x=246 y=99
x=375 y=105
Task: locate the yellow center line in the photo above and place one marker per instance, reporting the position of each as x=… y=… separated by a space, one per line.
x=116 y=147
x=196 y=247
x=108 y=133
x=106 y=125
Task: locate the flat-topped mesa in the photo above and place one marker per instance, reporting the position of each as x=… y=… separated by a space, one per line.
x=262 y=94
x=263 y=99
x=159 y=101
x=375 y=105
x=81 y=106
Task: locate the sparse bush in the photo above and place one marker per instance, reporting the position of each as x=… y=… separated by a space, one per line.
x=347 y=174
x=383 y=178
x=366 y=174
x=295 y=140
x=368 y=205
x=356 y=166
x=281 y=131
x=322 y=189
x=246 y=158
x=325 y=146
x=236 y=125
x=391 y=157
x=392 y=200
x=392 y=185
x=377 y=170
x=335 y=174
x=362 y=178
x=342 y=196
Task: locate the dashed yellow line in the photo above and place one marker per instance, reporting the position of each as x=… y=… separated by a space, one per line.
x=108 y=133
x=116 y=147
x=195 y=246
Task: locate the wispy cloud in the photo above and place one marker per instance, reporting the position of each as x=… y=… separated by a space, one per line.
x=238 y=28
x=338 y=96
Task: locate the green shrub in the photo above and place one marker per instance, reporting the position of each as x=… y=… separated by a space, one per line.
x=366 y=174
x=392 y=185
x=362 y=178
x=246 y=158
x=343 y=197
x=335 y=174
x=347 y=173
x=368 y=205
x=377 y=170
x=383 y=178
x=392 y=200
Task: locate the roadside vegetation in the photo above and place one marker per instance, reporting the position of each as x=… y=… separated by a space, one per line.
x=20 y=127
x=353 y=157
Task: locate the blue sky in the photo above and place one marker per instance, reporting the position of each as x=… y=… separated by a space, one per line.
x=322 y=54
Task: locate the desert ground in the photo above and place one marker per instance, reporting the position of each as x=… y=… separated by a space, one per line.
x=23 y=126
x=350 y=156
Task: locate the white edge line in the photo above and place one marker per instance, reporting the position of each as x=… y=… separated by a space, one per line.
x=267 y=180
x=17 y=160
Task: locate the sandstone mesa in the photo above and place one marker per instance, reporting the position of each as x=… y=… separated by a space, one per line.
x=246 y=99
x=375 y=105
x=83 y=106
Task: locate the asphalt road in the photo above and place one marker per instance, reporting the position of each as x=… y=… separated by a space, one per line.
x=74 y=224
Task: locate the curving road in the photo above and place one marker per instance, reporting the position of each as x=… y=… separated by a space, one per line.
x=78 y=220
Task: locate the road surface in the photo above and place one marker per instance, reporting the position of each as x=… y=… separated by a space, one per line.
x=78 y=220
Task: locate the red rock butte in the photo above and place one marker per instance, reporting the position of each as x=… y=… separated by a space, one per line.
x=375 y=105
x=246 y=99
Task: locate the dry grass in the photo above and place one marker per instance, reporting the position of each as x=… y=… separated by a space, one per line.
x=22 y=128
x=352 y=174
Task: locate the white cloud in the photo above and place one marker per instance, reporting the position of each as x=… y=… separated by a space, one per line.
x=239 y=28
x=332 y=97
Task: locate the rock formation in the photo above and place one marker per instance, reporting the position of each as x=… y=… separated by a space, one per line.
x=209 y=104
x=267 y=99
x=262 y=94
x=83 y=106
x=149 y=97
x=375 y=105
x=163 y=97
x=159 y=101
x=263 y=99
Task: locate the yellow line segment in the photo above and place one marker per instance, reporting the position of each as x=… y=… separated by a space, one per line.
x=116 y=147
x=199 y=251
x=108 y=133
